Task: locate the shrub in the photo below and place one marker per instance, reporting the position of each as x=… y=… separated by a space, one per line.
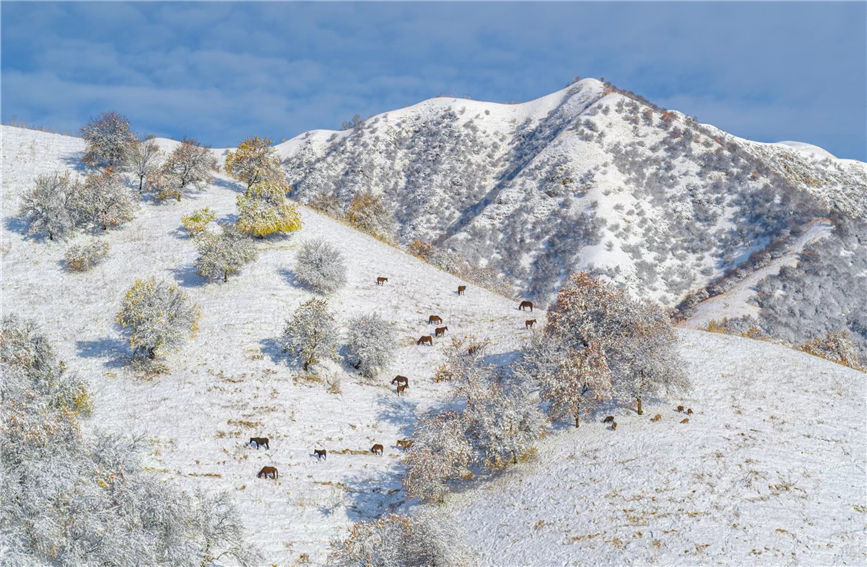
x=83 y=257
x=157 y=316
x=142 y=159
x=320 y=266
x=107 y=139
x=255 y=160
x=104 y=200
x=329 y=204
x=221 y=255
x=190 y=165
x=836 y=347
x=370 y=344
x=51 y=207
x=264 y=209
x=367 y=213
x=311 y=334
x=198 y=220
x=422 y=249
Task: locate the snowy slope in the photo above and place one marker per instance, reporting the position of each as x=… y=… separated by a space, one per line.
x=771 y=469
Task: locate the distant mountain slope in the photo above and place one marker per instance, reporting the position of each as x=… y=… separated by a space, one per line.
x=589 y=177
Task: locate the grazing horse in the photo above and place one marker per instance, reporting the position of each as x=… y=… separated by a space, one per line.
x=404 y=443
x=608 y=419
x=260 y=442
x=401 y=388
x=679 y=408
x=440 y=331
x=400 y=380
x=381 y=280
x=524 y=304
x=427 y=339
x=376 y=449
x=689 y=411
x=685 y=420
x=320 y=454
x=267 y=472
x=434 y=319
x=529 y=323
x=657 y=417
x=461 y=289
x=613 y=425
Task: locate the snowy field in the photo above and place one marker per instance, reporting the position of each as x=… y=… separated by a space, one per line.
x=770 y=468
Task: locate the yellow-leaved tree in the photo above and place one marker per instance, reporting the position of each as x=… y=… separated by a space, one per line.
x=264 y=209
x=255 y=160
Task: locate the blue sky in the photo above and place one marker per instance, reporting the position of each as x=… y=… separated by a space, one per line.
x=220 y=72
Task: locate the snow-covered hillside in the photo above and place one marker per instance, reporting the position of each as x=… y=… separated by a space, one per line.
x=589 y=177
x=231 y=382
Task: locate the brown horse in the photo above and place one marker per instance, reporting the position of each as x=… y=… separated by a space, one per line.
x=524 y=304
x=376 y=449
x=267 y=472
x=259 y=442
x=657 y=417
x=679 y=408
x=434 y=319
x=608 y=419
x=381 y=280
x=461 y=289
x=404 y=443
x=320 y=454
x=401 y=388
x=425 y=340
x=689 y=411
x=529 y=323
x=400 y=380
x=440 y=331
x=685 y=420
x=613 y=425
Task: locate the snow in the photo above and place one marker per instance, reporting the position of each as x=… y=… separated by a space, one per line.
x=809 y=149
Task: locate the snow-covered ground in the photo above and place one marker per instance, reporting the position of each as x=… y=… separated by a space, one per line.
x=770 y=468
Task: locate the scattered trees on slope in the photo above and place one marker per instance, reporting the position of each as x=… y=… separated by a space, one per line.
x=156 y=316
x=311 y=334
x=320 y=266
x=255 y=160
x=370 y=344
x=107 y=139
x=264 y=209
x=142 y=159
x=221 y=255
x=190 y=165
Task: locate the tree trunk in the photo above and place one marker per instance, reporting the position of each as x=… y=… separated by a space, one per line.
x=225 y=276
x=640 y=412
x=50 y=236
x=576 y=420
x=140 y=183
x=151 y=354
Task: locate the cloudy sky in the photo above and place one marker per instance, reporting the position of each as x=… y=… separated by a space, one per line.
x=220 y=72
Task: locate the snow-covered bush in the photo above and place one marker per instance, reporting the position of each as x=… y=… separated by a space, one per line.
x=401 y=541
x=329 y=204
x=367 y=212
x=255 y=160
x=107 y=139
x=264 y=209
x=370 y=344
x=837 y=347
x=223 y=254
x=440 y=454
x=190 y=165
x=142 y=158
x=198 y=220
x=600 y=326
x=311 y=334
x=156 y=316
x=320 y=266
x=83 y=257
x=51 y=207
x=104 y=200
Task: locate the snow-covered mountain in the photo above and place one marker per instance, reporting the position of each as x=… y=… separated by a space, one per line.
x=231 y=382
x=589 y=177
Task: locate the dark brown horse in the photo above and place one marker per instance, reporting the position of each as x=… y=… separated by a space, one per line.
x=525 y=304
x=425 y=340
x=608 y=419
x=434 y=319
x=440 y=331
x=401 y=388
x=320 y=454
x=259 y=442
x=376 y=449
x=381 y=280
x=400 y=380
x=529 y=323
x=404 y=443
x=267 y=472
x=461 y=289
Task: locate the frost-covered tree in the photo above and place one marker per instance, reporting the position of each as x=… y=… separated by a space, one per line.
x=51 y=207
x=311 y=334
x=634 y=339
x=401 y=541
x=370 y=344
x=107 y=139
x=837 y=347
x=142 y=158
x=255 y=160
x=264 y=209
x=190 y=165
x=223 y=254
x=105 y=201
x=156 y=316
x=441 y=453
x=368 y=213
x=328 y=203
x=320 y=266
